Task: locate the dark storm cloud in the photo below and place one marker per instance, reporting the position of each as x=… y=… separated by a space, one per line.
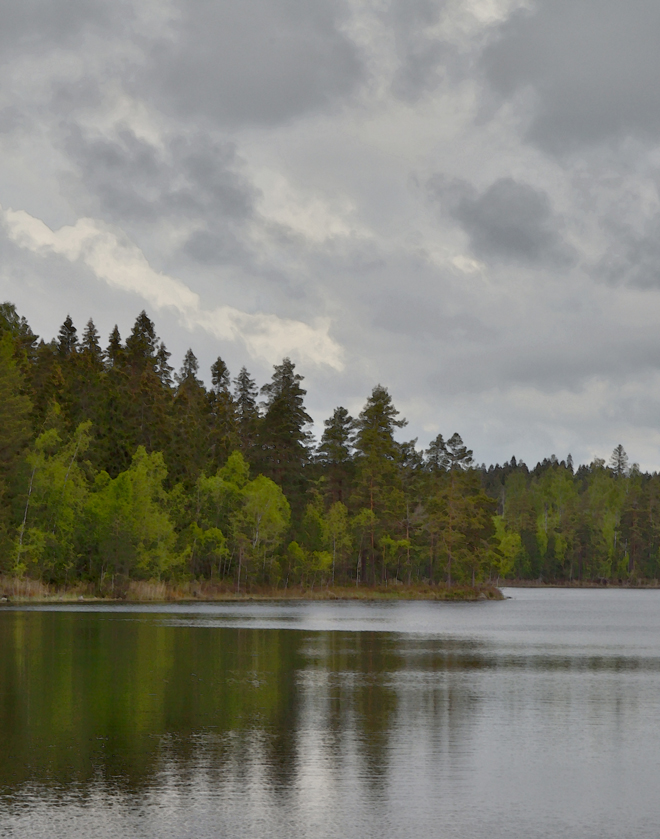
x=35 y=24
x=509 y=220
x=592 y=65
x=254 y=61
x=422 y=55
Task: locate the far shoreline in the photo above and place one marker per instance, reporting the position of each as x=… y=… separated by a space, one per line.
x=581 y=584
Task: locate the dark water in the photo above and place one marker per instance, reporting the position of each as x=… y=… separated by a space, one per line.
x=534 y=717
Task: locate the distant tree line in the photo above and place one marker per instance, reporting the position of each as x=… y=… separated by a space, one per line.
x=114 y=466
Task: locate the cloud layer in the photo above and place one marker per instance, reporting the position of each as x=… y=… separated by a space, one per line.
x=456 y=199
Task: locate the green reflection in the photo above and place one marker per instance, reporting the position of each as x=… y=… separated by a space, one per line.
x=89 y=698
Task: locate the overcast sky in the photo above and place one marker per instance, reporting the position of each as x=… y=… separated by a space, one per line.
x=457 y=199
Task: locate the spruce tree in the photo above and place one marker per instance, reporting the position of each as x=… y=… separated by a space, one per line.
x=220 y=376
x=335 y=453
x=163 y=368
x=223 y=431
x=188 y=451
x=47 y=382
x=378 y=487
x=83 y=396
x=247 y=413
x=142 y=344
x=139 y=404
x=115 y=352
x=619 y=462
x=90 y=346
x=284 y=449
x=67 y=338
x=24 y=339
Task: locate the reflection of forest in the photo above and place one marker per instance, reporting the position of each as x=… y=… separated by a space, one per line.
x=88 y=699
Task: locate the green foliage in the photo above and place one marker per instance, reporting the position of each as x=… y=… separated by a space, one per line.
x=130 y=531
x=112 y=468
x=55 y=501
x=509 y=549
x=258 y=527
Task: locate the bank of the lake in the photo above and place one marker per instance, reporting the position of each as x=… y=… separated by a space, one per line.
x=23 y=590
x=584 y=584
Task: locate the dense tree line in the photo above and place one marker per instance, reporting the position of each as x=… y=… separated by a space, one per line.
x=114 y=466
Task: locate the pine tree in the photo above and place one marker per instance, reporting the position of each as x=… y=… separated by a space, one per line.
x=437 y=457
x=458 y=455
x=376 y=425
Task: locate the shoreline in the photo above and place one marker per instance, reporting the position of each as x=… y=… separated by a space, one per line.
x=14 y=591
x=590 y=584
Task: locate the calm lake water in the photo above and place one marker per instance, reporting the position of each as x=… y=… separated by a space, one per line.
x=538 y=716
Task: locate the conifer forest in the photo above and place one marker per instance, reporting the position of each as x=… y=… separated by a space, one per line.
x=114 y=466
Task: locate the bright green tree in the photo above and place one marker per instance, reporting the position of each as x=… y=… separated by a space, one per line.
x=48 y=537
x=130 y=531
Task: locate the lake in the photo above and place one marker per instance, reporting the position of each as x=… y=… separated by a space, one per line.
x=537 y=716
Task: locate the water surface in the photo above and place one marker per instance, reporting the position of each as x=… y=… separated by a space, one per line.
x=532 y=717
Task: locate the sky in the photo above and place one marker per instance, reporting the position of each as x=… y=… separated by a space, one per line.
x=456 y=199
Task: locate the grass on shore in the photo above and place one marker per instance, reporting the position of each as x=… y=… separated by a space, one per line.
x=22 y=590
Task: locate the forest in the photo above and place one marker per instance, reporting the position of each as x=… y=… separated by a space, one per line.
x=114 y=466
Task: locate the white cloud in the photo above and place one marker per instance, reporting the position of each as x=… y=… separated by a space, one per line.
x=121 y=264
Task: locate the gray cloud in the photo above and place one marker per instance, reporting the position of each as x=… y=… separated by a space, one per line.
x=632 y=258
x=35 y=24
x=422 y=55
x=12 y=119
x=422 y=317
x=193 y=179
x=254 y=62
x=593 y=67
x=509 y=220
x=159 y=119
